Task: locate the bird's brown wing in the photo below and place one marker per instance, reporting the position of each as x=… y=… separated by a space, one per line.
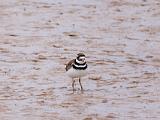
x=69 y=65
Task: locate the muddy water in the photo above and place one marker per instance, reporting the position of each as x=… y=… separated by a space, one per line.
x=121 y=39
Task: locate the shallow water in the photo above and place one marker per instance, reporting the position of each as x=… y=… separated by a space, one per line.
x=120 y=40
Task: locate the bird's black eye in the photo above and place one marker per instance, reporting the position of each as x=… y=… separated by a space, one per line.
x=81 y=58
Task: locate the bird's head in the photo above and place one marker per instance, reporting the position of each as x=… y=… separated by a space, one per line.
x=81 y=57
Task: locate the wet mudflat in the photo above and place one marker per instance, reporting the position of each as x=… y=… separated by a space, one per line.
x=121 y=39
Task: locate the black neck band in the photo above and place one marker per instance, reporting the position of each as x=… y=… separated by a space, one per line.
x=80 y=68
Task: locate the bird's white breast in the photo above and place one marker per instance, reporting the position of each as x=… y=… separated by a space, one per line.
x=73 y=73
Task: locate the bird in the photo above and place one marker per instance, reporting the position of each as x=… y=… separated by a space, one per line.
x=77 y=68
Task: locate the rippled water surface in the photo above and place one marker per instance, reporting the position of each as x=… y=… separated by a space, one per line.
x=121 y=39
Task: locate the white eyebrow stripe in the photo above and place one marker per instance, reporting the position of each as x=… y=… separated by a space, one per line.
x=82 y=57
x=80 y=62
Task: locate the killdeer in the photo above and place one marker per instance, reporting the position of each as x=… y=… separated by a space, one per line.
x=76 y=68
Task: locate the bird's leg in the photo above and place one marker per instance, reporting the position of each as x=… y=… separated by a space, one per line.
x=80 y=84
x=73 y=81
